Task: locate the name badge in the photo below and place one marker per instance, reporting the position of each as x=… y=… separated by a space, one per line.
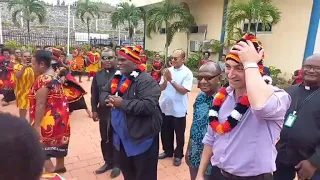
x=291 y=119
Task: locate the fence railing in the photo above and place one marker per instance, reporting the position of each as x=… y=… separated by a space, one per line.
x=56 y=40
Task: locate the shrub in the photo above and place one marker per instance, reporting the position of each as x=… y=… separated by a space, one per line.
x=13 y=44
x=86 y=47
x=278 y=78
x=194 y=61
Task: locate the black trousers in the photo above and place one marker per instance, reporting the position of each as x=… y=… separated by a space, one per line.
x=216 y=174
x=286 y=172
x=170 y=126
x=109 y=152
x=8 y=95
x=143 y=166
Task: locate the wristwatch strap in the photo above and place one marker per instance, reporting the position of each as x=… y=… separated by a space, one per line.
x=251 y=65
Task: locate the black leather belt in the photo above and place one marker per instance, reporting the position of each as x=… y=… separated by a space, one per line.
x=266 y=176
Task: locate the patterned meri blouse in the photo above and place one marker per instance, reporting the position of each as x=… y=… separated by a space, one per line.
x=199 y=128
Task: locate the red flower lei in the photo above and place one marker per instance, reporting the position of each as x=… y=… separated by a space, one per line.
x=232 y=120
x=125 y=85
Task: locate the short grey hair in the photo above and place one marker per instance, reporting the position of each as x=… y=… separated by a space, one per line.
x=108 y=50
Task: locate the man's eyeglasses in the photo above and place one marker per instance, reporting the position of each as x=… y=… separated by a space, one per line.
x=309 y=67
x=107 y=57
x=206 y=78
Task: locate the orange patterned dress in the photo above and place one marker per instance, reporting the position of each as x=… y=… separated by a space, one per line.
x=55 y=124
x=77 y=64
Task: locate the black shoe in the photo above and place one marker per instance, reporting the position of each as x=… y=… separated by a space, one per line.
x=104 y=168
x=177 y=162
x=163 y=156
x=61 y=170
x=115 y=172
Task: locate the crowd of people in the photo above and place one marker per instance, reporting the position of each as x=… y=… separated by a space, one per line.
x=243 y=127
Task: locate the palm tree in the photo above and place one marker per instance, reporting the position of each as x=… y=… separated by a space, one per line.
x=144 y=18
x=29 y=10
x=87 y=10
x=253 y=11
x=126 y=14
x=173 y=16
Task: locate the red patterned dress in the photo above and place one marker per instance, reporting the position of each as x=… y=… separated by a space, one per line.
x=55 y=124
x=7 y=80
x=156 y=70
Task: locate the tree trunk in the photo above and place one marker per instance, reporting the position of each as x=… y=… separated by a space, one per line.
x=130 y=33
x=249 y=27
x=166 y=45
x=144 y=32
x=88 y=30
x=28 y=26
x=188 y=39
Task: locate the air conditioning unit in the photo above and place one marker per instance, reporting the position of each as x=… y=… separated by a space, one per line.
x=194 y=46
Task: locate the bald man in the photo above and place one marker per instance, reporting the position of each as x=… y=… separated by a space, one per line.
x=209 y=78
x=175 y=83
x=299 y=144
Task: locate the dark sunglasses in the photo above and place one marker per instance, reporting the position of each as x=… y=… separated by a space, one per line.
x=206 y=78
x=107 y=57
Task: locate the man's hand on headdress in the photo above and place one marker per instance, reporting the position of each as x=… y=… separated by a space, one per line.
x=247 y=52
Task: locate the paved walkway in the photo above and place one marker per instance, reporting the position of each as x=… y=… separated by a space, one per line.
x=85 y=155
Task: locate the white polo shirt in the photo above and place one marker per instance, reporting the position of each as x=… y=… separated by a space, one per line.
x=173 y=103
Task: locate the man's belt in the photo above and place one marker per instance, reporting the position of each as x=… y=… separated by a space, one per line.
x=265 y=176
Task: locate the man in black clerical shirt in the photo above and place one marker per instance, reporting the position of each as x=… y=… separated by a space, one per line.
x=102 y=114
x=299 y=144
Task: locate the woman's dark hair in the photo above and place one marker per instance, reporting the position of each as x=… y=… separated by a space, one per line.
x=207 y=52
x=47 y=46
x=43 y=56
x=63 y=54
x=21 y=155
x=5 y=49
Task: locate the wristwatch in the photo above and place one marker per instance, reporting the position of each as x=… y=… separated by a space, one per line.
x=172 y=81
x=251 y=65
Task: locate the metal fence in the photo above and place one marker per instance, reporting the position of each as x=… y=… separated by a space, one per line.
x=56 y=40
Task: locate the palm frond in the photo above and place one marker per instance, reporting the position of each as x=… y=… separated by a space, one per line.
x=262 y=11
x=15 y=15
x=30 y=9
x=126 y=13
x=174 y=15
x=87 y=9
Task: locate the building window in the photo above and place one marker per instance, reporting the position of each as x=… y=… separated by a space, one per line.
x=163 y=31
x=198 y=29
x=257 y=27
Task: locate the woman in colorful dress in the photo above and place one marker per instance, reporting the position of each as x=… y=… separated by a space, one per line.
x=24 y=78
x=73 y=90
x=143 y=57
x=7 y=78
x=77 y=63
x=157 y=66
x=92 y=62
x=49 y=112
